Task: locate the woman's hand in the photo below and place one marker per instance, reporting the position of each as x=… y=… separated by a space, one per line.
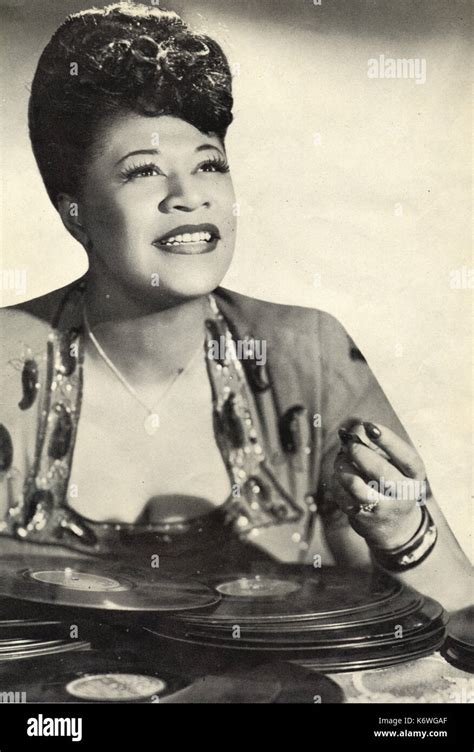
x=386 y=481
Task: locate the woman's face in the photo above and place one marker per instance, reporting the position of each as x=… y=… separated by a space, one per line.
x=158 y=208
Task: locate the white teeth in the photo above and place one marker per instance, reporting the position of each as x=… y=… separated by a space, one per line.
x=187 y=237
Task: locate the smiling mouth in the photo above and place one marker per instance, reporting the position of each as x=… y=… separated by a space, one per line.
x=189 y=240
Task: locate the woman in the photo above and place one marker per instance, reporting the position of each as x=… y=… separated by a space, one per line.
x=146 y=410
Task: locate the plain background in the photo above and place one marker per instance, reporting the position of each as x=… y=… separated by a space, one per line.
x=354 y=193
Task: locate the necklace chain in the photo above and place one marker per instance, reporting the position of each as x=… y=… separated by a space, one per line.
x=125 y=383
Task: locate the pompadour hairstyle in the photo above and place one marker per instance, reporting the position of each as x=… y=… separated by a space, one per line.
x=125 y=58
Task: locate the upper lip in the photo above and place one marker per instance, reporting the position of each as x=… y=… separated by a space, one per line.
x=182 y=229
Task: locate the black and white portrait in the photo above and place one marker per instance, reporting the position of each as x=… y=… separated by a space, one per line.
x=236 y=289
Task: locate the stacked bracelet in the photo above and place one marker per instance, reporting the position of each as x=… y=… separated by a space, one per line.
x=412 y=553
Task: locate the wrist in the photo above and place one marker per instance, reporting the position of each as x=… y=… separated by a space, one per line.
x=393 y=534
x=404 y=531
x=414 y=551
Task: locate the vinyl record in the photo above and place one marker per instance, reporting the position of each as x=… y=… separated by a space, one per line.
x=388 y=631
x=274 y=683
x=459 y=645
x=353 y=643
x=380 y=658
x=274 y=596
x=405 y=609
x=459 y=658
x=461 y=629
x=91 y=584
x=24 y=638
x=330 y=619
x=23 y=651
x=333 y=658
x=89 y=676
x=127 y=676
x=32 y=629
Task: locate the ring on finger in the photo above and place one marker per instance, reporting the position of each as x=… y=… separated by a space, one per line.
x=369 y=506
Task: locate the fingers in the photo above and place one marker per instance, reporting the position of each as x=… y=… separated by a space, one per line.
x=371 y=465
x=381 y=481
x=400 y=452
x=351 y=481
x=384 y=480
x=358 y=432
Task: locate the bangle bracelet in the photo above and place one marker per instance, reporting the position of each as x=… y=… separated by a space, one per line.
x=412 y=553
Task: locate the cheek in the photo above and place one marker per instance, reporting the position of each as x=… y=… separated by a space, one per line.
x=116 y=222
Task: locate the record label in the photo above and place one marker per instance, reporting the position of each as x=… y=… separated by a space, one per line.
x=257 y=587
x=74 y=580
x=113 y=687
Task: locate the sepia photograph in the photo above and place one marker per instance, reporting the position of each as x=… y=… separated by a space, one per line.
x=236 y=358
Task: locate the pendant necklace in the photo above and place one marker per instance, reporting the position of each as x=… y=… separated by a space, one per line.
x=151 y=423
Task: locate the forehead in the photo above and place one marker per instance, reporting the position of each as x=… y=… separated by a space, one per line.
x=170 y=135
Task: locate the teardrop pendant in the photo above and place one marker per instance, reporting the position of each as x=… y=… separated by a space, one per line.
x=152 y=424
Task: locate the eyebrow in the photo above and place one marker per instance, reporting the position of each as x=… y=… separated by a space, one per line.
x=203 y=147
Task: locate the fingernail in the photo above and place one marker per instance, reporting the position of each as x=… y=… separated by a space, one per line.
x=372 y=431
x=345 y=436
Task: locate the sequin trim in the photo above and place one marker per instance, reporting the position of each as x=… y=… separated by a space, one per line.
x=41 y=513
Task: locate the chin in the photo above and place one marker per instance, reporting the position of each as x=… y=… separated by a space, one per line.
x=173 y=278
x=192 y=288
x=186 y=287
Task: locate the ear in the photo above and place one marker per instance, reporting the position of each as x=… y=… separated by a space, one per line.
x=70 y=212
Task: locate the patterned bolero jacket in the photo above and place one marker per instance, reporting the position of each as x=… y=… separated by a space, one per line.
x=275 y=424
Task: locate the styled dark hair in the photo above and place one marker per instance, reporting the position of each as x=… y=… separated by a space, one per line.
x=124 y=58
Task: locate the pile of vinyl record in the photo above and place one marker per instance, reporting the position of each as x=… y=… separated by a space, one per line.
x=132 y=675
x=54 y=637
x=71 y=631
x=325 y=619
x=459 y=646
x=329 y=620
x=77 y=657
x=32 y=638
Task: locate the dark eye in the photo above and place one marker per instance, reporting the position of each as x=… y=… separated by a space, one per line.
x=146 y=172
x=140 y=171
x=215 y=164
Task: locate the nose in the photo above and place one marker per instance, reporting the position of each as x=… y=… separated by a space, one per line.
x=184 y=195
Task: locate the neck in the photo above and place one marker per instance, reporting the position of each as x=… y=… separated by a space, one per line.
x=146 y=344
